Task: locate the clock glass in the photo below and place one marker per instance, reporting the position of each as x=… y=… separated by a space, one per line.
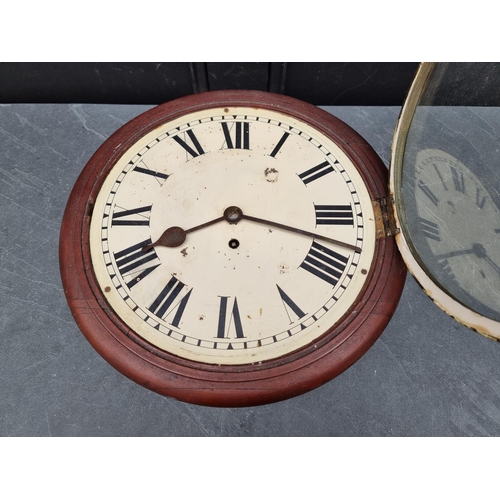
x=446 y=180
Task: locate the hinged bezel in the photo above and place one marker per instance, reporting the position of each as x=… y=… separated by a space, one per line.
x=439 y=295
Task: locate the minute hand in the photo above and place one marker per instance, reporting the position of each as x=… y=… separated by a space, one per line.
x=302 y=231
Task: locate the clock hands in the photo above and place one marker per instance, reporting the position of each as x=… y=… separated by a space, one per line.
x=175 y=236
x=478 y=250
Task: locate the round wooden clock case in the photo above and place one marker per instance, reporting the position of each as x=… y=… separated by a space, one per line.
x=278 y=374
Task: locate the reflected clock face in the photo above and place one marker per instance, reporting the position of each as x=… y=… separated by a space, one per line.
x=459 y=224
x=237 y=290
x=222 y=249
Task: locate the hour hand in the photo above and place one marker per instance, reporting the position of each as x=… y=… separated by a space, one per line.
x=175 y=236
x=172 y=237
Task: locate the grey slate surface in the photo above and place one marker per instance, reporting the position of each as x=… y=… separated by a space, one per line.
x=426 y=376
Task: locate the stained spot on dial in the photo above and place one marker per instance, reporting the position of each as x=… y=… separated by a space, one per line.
x=271 y=174
x=184 y=252
x=283 y=268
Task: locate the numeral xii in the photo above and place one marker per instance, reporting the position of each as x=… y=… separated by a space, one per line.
x=237 y=135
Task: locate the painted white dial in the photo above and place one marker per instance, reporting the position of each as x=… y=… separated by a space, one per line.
x=232 y=293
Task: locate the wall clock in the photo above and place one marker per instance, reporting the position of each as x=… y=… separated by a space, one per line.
x=229 y=249
x=237 y=248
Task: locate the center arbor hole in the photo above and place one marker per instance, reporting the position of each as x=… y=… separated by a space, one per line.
x=234 y=243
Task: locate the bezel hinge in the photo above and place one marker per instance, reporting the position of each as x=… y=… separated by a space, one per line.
x=385 y=222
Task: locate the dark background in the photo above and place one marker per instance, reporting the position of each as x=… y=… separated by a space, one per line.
x=320 y=83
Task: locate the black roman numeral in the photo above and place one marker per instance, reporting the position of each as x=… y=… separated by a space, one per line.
x=277 y=148
x=425 y=189
x=231 y=319
x=316 y=172
x=159 y=176
x=337 y=215
x=126 y=217
x=430 y=229
x=198 y=150
x=131 y=260
x=324 y=263
x=237 y=135
x=287 y=301
x=164 y=305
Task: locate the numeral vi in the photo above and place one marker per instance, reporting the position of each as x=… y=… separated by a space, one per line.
x=229 y=320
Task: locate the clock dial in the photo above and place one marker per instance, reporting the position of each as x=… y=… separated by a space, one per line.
x=222 y=249
x=455 y=240
x=233 y=288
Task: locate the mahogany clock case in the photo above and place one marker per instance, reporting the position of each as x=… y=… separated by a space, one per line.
x=201 y=383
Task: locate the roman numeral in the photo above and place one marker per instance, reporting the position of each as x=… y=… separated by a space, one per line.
x=276 y=149
x=159 y=176
x=480 y=198
x=447 y=269
x=126 y=217
x=163 y=306
x=231 y=319
x=187 y=147
x=316 y=172
x=131 y=260
x=324 y=263
x=425 y=189
x=430 y=229
x=338 y=215
x=237 y=136
x=287 y=301
x=458 y=180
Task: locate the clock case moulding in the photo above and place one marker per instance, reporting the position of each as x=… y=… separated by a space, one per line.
x=216 y=385
x=428 y=77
